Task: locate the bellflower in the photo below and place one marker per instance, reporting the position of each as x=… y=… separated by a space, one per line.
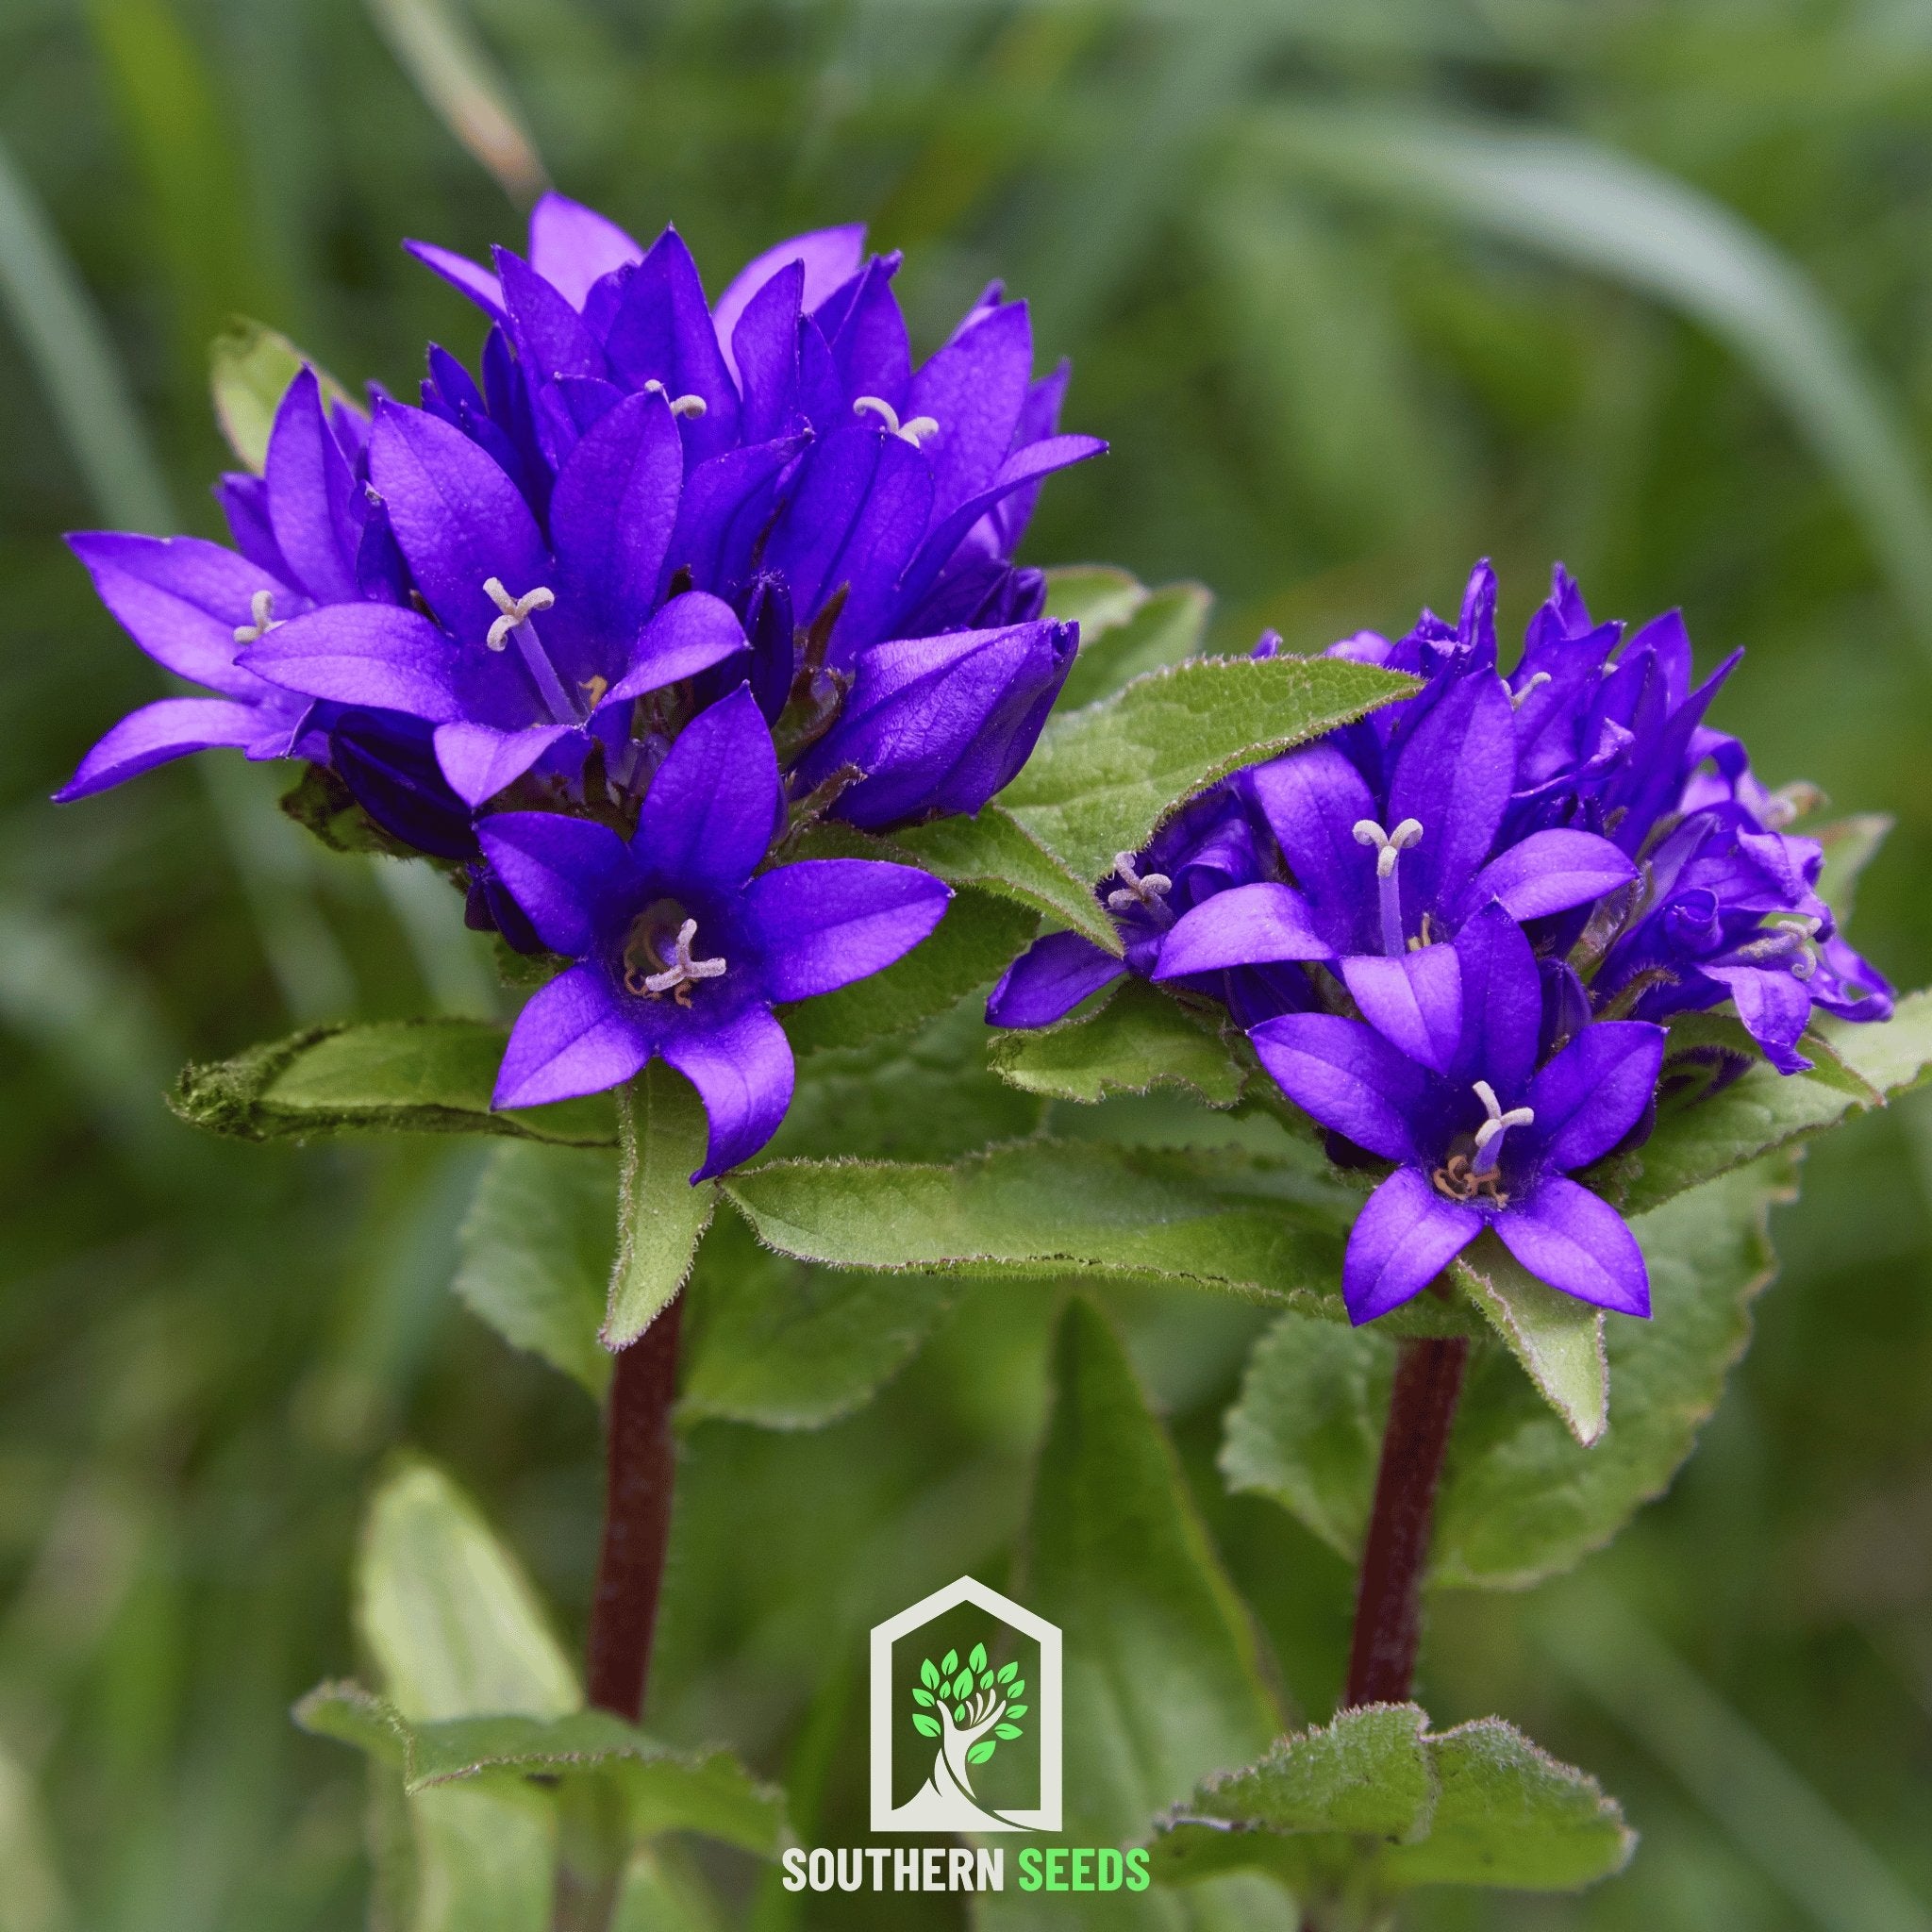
x=1482 y=1137
x=681 y=945
x=1211 y=846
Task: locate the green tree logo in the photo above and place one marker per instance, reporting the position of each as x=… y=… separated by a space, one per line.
x=970 y=1709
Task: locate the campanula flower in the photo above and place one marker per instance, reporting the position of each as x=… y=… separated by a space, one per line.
x=1447 y=1087
x=681 y=945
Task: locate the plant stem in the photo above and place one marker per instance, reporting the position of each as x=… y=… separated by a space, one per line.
x=640 y=1470
x=1387 y=1608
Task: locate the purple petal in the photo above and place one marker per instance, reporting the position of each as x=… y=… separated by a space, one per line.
x=1595 y=1090
x=313 y=504
x=575 y=878
x=1313 y=800
x=1564 y=1235
x=1247 y=925
x=1454 y=776
x=575 y=1036
x=827 y=257
x=180 y=598
x=691 y=634
x=479 y=760
x=974 y=389
x=765 y=357
x=723 y=510
x=1502 y=1001
x=572 y=247
x=459 y=272
x=1550 y=872
x=1347 y=1076
x=613 y=509
x=1415 y=1002
x=1775 y=1007
x=1404 y=1236
x=157 y=733
x=713 y=805
x=1049 y=980
x=662 y=332
x=365 y=653
x=458 y=519
x=742 y=1072
x=866 y=333
x=550 y=336
x=828 y=922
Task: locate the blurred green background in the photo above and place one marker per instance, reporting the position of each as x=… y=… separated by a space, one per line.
x=1359 y=289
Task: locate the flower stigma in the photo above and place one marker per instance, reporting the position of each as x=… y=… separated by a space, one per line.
x=1389 y=846
x=515 y=623
x=677 y=972
x=691 y=405
x=1147 y=891
x=261 y=607
x=907 y=432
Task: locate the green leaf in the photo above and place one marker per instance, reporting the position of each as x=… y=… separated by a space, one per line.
x=250 y=367
x=448 y=1614
x=981 y=1751
x=707 y=1792
x=1007 y=1673
x=1099 y=597
x=949 y=1663
x=925 y=1726
x=1521 y=1498
x=1163 y=1677
x=969 y=948
x=1102 y=779
x=1139 y=1040
x=535 y=1254
x=394 y=1076
x=1558 y=1339
x=929 y=1675
x=1696 y=1141
x=994 y=851
x=661 y=1215
x=922 y=1697
x=1375 y=1804
x=1049 y=1209
x=1614 y=215
x=1017 y=1689
x=976 y=1658
x=1016 y=1710
x=1850 y=845
x=1008 y=1731
x=1170 y=626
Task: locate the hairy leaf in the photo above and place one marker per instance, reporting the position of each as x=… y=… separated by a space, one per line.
x=1558 y=1339
x=994 y=851
x=1376 y=1803
x=1099 y=597
x=1521 y=1498
x=1139 y=1040
x=1163 y=1678
x=536 y=1250
x=391 y=1076
x=1101 y=780
x=1850 y=845
x=661 y=1215
x=1170 y=626
x=250 y=369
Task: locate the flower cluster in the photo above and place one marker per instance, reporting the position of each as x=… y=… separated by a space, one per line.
x=1453 y=928
x=598 y=626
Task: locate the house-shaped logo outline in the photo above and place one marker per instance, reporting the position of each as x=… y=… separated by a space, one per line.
x=1047 y=1815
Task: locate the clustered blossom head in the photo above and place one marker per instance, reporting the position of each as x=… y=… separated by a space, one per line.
x=1568 y=846
x=526 y=593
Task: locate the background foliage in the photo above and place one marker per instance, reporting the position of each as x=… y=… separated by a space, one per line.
x=1359 y=288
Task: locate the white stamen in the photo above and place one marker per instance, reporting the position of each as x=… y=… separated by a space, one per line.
x=683 y=970
x=911 y=431
x=1517 y=697
x=262 y=608
x=1389 y=845
x=1492 y=1131
x=692 y=406
x=1148 y=891
x=516 y=610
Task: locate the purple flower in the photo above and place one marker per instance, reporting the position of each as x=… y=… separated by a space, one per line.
x=1446 y=1086
x=1209 y=847
x=682 y=947
x=939 y=724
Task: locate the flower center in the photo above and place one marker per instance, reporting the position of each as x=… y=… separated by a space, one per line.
x=907 y=432
x=515 y=623
x=692 y=406
x=1463 y=1176
x=1148 y=891
x=658 y=954
x=1389 y=846
x=262 y=608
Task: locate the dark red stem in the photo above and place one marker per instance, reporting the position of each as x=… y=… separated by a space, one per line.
x=642 y=1469
x=1388 y=1605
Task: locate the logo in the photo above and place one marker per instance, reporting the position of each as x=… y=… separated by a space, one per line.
x=966 y=1715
